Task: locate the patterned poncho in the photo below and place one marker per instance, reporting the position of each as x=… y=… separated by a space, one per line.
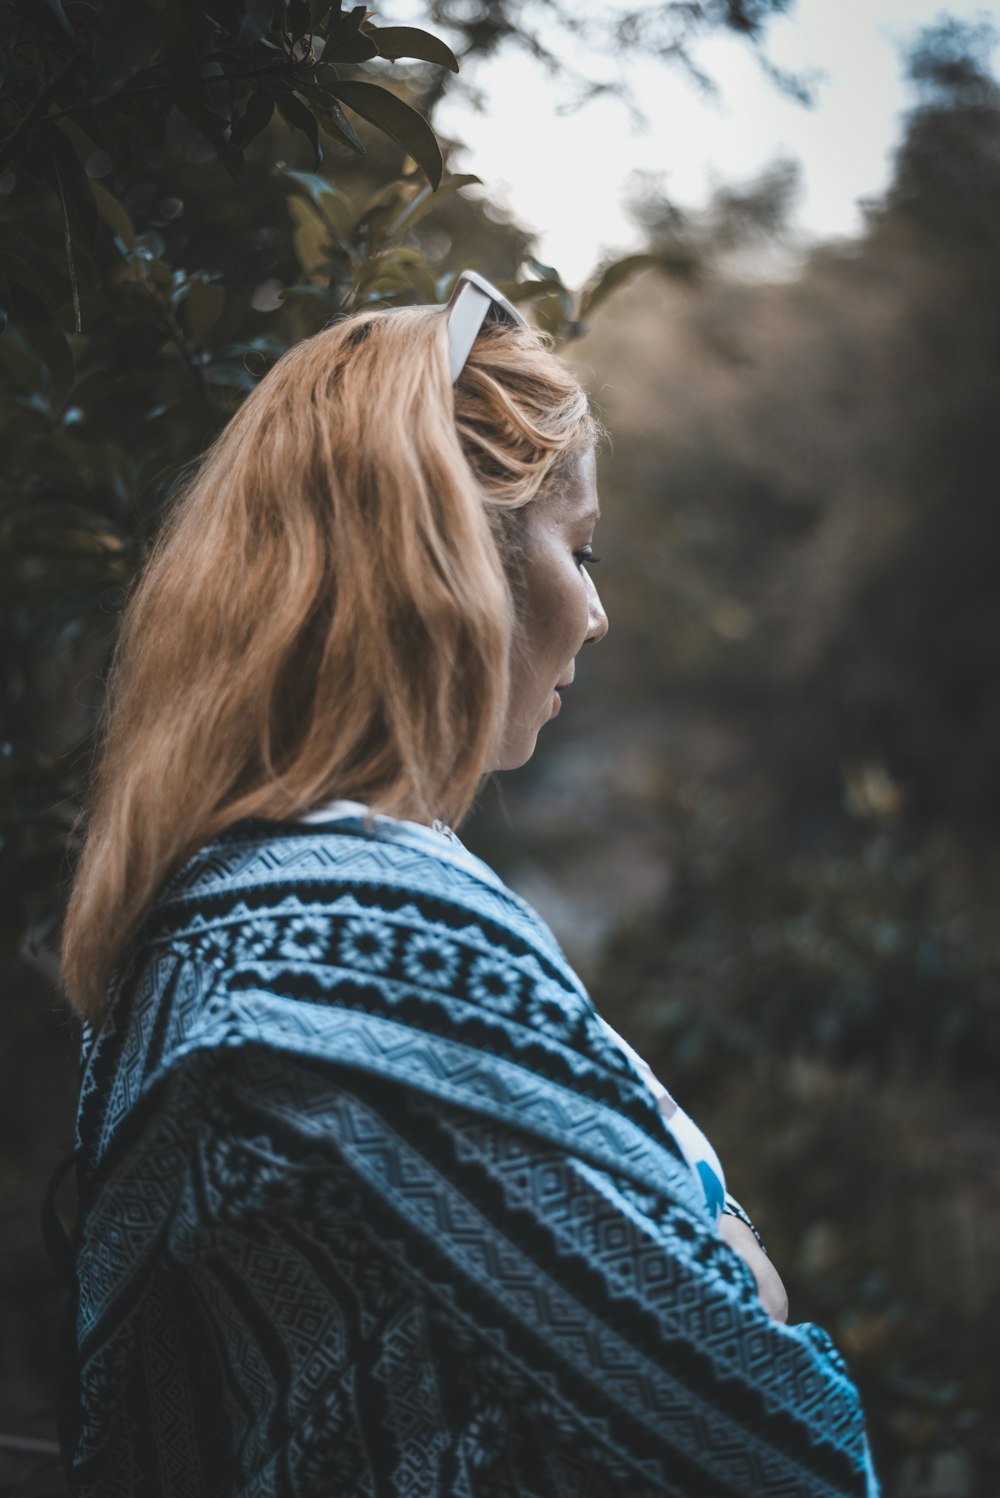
x=372 y=1204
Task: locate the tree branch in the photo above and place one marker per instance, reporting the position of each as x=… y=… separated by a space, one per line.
x=70 y=261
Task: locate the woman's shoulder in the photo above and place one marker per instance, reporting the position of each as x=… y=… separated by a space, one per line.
x=260 y=872
x=285 y=934
x=267 y=860
x=378 y=953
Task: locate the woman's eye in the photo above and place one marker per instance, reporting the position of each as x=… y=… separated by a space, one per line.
x=586 y=555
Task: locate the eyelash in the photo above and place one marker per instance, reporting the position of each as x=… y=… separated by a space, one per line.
x=585 y=556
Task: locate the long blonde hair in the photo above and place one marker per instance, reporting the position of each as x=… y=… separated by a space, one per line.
x=327 y=611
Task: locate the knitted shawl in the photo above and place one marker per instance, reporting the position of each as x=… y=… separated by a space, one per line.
x=372 y=1205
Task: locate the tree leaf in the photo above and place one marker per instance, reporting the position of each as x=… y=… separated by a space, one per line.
x=109 y=128
x=397 y=271
x=311 y=236
x=528 y=291
x=343 y=25
x=334 y=206
x=551 y=313
x=55 y=6
x=379 y=212
x=20 y=360
x=257 y=22
x=52 y=159
x=38 y=281
x=396 y=119
x=395 y=42
x=301 y=117
x=213 y=127
x=329 y=113
x=115 y=214
x=296 y=18
x=422 y=202
x=356 y=48
x=547 y=272
x=543 y=295
x=127 y=36
x=203 y=306
x=335 y=123
x=230 y=376
x=256 y=117
x=31 y=319
x=618 y=273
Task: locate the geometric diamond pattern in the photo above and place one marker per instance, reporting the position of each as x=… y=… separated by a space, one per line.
x=372 y=1205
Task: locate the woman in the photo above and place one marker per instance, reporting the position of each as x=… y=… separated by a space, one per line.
x=372 y=1202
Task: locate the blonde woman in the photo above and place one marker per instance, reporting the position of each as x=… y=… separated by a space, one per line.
x=372 y=1201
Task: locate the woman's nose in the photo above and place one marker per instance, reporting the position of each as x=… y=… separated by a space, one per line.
x=597 y=620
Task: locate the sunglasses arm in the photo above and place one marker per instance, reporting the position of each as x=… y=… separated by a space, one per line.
x=467 y=311
x=472 y=302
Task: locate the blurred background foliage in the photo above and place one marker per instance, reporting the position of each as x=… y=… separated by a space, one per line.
x=766 y=828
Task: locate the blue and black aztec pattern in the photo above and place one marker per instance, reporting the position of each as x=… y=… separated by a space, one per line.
x=372 y=1205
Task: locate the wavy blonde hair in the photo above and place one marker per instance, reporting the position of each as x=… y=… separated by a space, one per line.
x=327 y=611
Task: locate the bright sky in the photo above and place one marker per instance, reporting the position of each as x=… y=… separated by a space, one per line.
x=565 y=175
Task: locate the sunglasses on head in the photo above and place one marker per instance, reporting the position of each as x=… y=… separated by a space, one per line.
x=473 y=302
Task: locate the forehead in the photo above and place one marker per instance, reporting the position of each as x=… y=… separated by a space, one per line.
x=573 y=501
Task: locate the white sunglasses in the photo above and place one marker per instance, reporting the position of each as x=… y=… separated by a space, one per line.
x=473 y=301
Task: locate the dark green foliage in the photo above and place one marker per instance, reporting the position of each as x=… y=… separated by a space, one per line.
x=834 y=1020
x=165 y=234
x=185 y=190
x=161 y=243
x=924 y=693
x=802 y=677
x=868 y=960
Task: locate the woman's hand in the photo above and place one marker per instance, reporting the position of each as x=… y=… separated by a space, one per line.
x=742 y=1241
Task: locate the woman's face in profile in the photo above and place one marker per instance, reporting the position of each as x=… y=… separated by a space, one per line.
x=558 y=607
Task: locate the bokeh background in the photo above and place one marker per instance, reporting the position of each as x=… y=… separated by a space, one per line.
x=765 y=825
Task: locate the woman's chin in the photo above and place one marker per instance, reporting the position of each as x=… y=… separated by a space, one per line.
x=517 y=750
